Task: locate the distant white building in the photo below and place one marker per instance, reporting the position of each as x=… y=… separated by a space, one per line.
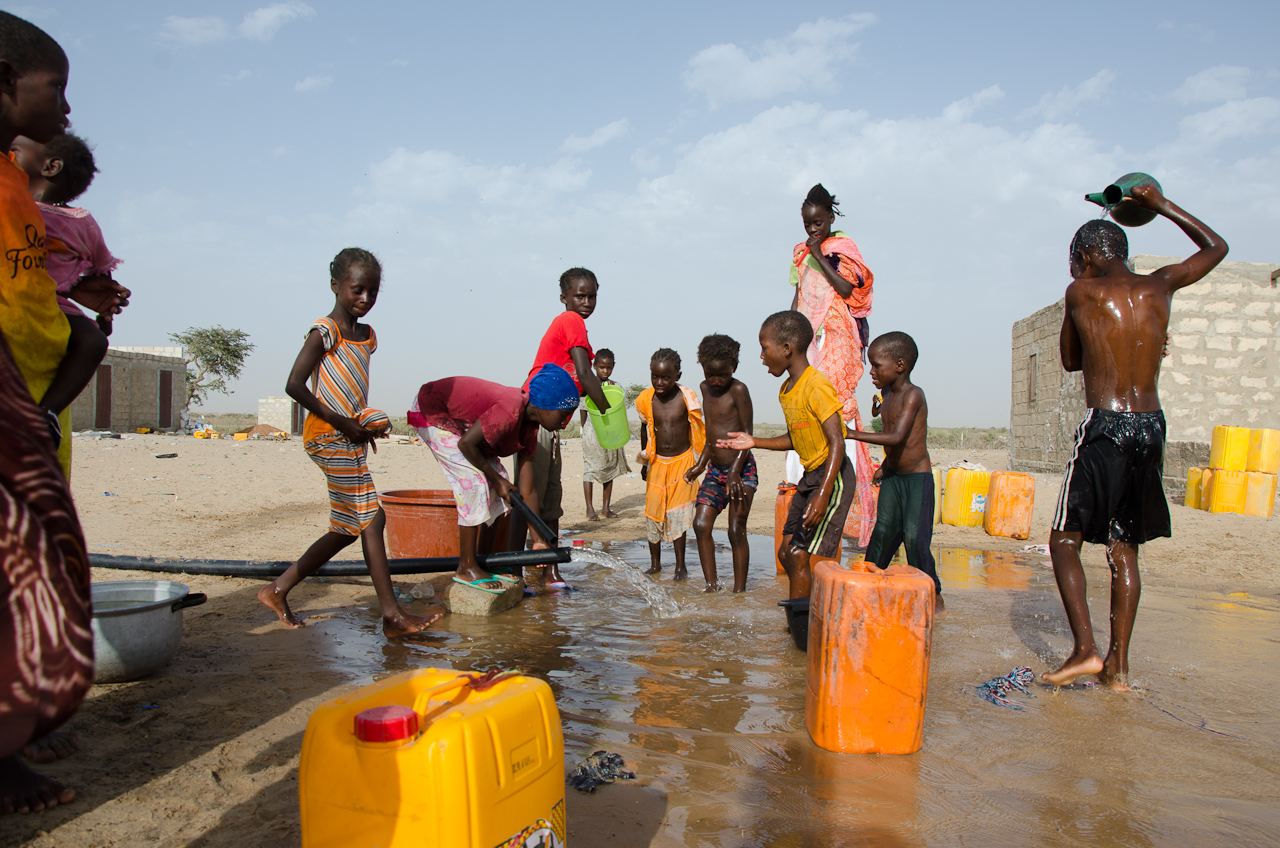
x=283 y=413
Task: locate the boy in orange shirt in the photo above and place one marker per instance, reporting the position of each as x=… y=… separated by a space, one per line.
x=816 y=432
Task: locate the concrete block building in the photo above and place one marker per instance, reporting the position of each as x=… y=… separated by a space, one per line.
x=133 y=387
x=283 y=413
x=1223 y=368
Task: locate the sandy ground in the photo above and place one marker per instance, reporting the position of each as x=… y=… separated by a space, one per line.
x=207 y=753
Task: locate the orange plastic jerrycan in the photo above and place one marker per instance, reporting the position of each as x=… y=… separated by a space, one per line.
x=786 y=491
x=870 y=633
x=435 y=758
x=1010 y=499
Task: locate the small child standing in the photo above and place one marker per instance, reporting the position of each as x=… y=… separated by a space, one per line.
x=598 y=464
x=733 y=479
x=337 y=435
x=672 y=436
x=816 y=432
x=905 y=509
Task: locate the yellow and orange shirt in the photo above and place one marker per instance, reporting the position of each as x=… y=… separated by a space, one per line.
x=811 y=401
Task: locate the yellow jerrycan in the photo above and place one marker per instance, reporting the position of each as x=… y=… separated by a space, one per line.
x=435 y=758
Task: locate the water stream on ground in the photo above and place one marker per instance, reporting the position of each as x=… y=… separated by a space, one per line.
x=704 y=696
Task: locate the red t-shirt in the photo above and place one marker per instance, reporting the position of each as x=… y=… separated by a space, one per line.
x=455 y=403
x=566 y=332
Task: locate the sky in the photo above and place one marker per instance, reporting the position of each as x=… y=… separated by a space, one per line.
x=481 y=150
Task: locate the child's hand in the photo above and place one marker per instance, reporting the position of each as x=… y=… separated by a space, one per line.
x=692 y=474
x=644 y=473
x=1165 y=352
x=815 y=245
x=352 y=431
x=878 y=475
x=875 y=405
x=1148 y=197
x=813 y=512
x=737 y=491
x=101 y=294
x=504 y=488
x=737 y=441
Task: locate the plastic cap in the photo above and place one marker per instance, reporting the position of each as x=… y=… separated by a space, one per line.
x=579 y=543
x=386 y=724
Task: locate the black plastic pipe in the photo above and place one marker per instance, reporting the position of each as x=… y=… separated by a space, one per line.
x=503 y=561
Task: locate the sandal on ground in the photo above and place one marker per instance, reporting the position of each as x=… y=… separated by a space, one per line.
x=472 y=584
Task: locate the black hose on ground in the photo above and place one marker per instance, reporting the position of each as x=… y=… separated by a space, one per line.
x=503 y=561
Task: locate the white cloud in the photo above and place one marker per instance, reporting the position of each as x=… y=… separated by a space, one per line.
x=312 y=83
x=243 y=75
x=436 y=176
x=259 y=25
x=1214 y=85
x=194 y=30
x=1236 y=119
x=262 y=24
x=964 y=108
x=599 y=138
x=1067 y=101
x=805 y=59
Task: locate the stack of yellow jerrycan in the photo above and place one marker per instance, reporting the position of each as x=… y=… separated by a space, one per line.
x=1241 y=476
x=435 y=758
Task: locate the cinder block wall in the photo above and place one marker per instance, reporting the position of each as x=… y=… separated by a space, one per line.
x=135 y=392
x=277 y=412
x=1223 y=368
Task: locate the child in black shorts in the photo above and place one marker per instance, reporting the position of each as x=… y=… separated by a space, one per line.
x=814 y=431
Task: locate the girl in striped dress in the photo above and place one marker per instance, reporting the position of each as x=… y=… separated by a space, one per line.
x=337 y=434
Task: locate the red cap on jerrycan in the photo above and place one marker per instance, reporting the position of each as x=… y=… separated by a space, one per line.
x=386 y=724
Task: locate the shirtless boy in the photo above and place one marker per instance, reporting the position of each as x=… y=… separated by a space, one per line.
x=1113 y=330
x=733 y=478
x=904 y=511
x=672 y=436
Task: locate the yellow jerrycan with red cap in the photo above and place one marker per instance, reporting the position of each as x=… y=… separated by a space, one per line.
x=435 y=758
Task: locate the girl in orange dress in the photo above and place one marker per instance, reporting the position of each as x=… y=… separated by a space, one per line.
x=834 y=290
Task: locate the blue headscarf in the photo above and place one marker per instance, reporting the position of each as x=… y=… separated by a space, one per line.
x=553 y=388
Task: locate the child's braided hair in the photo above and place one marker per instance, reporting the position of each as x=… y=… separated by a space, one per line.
x=665 y=354
x=576 y=274
x=819 y=196
x=348 y=258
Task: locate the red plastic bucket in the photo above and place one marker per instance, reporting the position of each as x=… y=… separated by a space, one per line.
x=424 y=523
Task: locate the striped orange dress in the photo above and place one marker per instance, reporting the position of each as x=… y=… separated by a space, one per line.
x=341 y=382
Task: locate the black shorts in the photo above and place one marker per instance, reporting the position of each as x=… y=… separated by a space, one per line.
x=824 y=538
x=1114 y=485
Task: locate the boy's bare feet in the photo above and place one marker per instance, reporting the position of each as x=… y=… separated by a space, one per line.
x=712 y=587
x=608 y=513
x=478 y=575
x=278 y=602
x=1073 y=668
x=52 y=746
x=405 y=623
x=681 y=574
x=1112 y=678
x=653 y=569
x=939 y=607
x=25 y=791
x=592 y=515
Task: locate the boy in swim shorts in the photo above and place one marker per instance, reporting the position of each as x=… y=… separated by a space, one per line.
x=732 y=478
x=1113 y=329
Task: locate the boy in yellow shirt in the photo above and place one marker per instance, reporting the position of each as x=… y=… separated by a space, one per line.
x=816 y=432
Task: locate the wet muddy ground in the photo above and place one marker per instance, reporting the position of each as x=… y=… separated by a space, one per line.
x=707 y=706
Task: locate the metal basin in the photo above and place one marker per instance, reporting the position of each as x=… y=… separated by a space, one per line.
x=137 y=626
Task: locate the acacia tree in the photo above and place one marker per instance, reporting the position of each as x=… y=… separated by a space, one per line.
x=632 y=391
x=214 y=356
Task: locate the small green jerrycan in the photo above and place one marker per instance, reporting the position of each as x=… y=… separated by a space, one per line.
x=1117 y=199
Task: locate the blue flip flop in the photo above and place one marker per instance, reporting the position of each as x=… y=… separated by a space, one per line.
x=471 y=584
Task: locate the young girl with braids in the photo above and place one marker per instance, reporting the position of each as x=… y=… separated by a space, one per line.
x=833 y=290
x=337 y=434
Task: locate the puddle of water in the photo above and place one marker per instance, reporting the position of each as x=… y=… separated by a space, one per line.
x=708 y=706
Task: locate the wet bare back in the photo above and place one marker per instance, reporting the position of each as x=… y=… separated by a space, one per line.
x=1115 y=321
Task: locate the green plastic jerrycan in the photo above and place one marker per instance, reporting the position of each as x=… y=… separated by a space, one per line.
x=1117 y=200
